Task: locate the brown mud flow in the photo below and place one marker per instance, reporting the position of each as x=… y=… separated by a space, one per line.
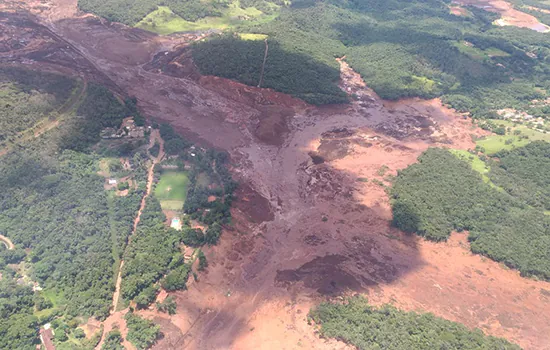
x=311 y=219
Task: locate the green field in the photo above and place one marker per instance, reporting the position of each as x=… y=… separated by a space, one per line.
x=495 y=143
x=171 y=190
x=252 y=36
x=476 y=163
x=479 y=54
x=164 y=21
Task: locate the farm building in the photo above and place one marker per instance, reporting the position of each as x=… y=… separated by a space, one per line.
x=127 y=128
x=46 y=336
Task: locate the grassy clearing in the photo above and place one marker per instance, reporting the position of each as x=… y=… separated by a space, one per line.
x=164 y=21
x=252 y=36
x=171 y=190
x=479 y=54
x=476 y=163
x=57 y=299
x=495 y=143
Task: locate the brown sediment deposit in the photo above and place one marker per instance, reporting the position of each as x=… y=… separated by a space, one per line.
x=510 y=16
x=306 y=225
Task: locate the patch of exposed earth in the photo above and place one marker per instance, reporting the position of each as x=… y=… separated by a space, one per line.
x=510 y=16
x=307 y=226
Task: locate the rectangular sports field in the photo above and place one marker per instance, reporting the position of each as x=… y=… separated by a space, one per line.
x=171 y=190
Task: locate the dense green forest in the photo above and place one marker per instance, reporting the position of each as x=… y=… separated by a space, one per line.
x=18 y=325
x=142 y=333
x=293 y=73
x=130 y=12
x=28 y=97
x=524 y=173
x=68 y=231
x=401 y=49
x=442 y=193
x=367 y=327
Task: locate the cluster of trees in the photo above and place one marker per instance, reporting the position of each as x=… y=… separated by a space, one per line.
x=524 y=173
x=113 y=341
x=367 y=327
x=168 y=305
x=18 y=325
x=153 y=256
x=100 y=109
x=131 y=12
x=267 y=7
x=442 y=193
x=215 y=213
x=27 y=97
x=285 y=70
x=141 y=332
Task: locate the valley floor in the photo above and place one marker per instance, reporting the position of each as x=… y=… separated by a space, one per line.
x=307 y=226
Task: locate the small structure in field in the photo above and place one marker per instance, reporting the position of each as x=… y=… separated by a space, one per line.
x=176 y=223
x=112 y=182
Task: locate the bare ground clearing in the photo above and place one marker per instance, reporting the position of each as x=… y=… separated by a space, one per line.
x=304 y=230
x=509 y=15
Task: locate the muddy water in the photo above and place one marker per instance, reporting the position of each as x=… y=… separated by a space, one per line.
x=302 y=228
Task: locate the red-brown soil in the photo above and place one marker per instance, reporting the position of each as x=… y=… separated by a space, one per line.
x=509 y=15
x=303 y=230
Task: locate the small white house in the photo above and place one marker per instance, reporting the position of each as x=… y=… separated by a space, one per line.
x=112 y=181
x=176 y=223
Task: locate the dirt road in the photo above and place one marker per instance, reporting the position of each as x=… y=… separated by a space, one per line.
x=305 y=229
x=7 y=242
x=117 y=317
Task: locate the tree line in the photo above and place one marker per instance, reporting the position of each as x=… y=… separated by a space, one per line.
x=367 y=327
x=442 y=193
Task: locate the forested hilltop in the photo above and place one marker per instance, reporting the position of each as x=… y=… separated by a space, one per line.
x=401 y=49
x=505 y=215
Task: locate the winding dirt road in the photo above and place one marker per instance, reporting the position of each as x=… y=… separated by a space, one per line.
x=117 y=317
x=7 y=242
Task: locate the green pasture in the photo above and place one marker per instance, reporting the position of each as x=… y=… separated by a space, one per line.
x=171 y=190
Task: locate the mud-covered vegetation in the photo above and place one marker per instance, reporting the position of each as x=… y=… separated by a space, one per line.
x=401 y=49
x=367 y=327
x=442 y=193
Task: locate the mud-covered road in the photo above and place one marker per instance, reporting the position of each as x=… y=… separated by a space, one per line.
x=309 y=222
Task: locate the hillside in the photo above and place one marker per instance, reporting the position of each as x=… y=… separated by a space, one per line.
x=173 y=191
